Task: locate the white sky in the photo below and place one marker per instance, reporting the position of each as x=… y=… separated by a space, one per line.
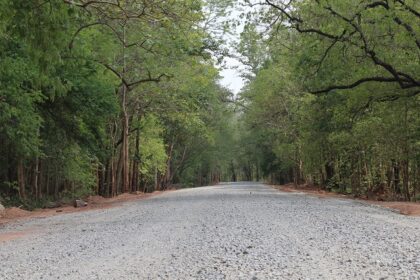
x=230 y=73
x=231 y=77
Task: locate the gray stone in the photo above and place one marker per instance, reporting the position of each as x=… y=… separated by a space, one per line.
x=79 y=203
x=2 y=211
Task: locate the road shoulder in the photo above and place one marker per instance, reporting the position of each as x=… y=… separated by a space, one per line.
x=404 y=208
x=14 y=214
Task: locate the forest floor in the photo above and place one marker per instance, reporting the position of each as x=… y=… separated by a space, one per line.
x=14 y=214
x=402 y=207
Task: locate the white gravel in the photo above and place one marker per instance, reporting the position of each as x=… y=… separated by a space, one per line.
x=231 y=231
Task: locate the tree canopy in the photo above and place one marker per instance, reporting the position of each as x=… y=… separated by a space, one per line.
x=335 y=101
x=106 y=97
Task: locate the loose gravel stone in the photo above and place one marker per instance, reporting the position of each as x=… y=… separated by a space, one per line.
x=2 y=210
x=231 y=231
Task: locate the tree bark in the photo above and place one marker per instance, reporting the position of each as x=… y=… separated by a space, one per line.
x=232 y=166
x=35 y=178
x=136 y=162
x=21 y=179
x=125 y=169
x=113 y=175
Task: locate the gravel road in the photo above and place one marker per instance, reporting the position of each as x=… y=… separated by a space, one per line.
x=231 y=231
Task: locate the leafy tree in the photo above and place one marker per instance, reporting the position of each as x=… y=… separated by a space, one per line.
x=104 y=96
x=359 y=59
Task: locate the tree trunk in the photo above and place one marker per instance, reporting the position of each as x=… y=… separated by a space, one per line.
x=102 y=180
x=406 y=152
x=156 y=179
x=41 y=179
x=258 y=172
x=112 y=181
x=21 y=179
x=168 y=173
x=406 y=182
x=47 y=178
x=135 y=172
x=56 y=182
x=234 y=177
x=125 y=169
x=396 y=177
x=329 y=175
x=35 y=179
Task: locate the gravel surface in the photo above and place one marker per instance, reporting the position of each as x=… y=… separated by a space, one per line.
x=231 y=231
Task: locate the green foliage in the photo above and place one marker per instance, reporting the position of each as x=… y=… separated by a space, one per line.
x=18 y=115
x=95 y=96
x=153 y=155
x=359 y=130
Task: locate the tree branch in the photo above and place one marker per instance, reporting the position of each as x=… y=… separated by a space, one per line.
x=149 y=79
x=355 y=84
x=410 y=9
x=80 y=30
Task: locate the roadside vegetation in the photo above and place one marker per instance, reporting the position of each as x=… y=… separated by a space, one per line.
x=333 y=97
x=110 y=97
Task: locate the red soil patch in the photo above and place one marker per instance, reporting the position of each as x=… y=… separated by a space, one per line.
x=11 y=236
x=15 y=212
x=405 y=208
x=94 y=202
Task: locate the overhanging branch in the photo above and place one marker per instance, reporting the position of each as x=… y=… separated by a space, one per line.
x=355 y=84
x=148 y=79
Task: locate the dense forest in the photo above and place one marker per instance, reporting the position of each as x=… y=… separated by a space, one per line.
x=107 y=97
x=333 y=97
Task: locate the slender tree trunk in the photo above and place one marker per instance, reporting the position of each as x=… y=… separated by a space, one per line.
x=367 y=174
x=135 y=172
x=35 y=178
x=102 y=179
x=175 y=170
x=300 y=173
x=396 y=178
x=406 y=162
x=41 y=178
x=125 y=169
x=168 y=172
x=108 y=188
x=98 y=180
x=329 y=172
x=135 y=182
x=406 y=182
x=130 y=175
x=234 y=177
x=21 y=179
x=113 y=178
x=118 y=170
x=56 y=182
x=156 y=179
x=47 y=179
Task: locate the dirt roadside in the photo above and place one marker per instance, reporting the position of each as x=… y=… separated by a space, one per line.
x=94 y=202
x=404 y=208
